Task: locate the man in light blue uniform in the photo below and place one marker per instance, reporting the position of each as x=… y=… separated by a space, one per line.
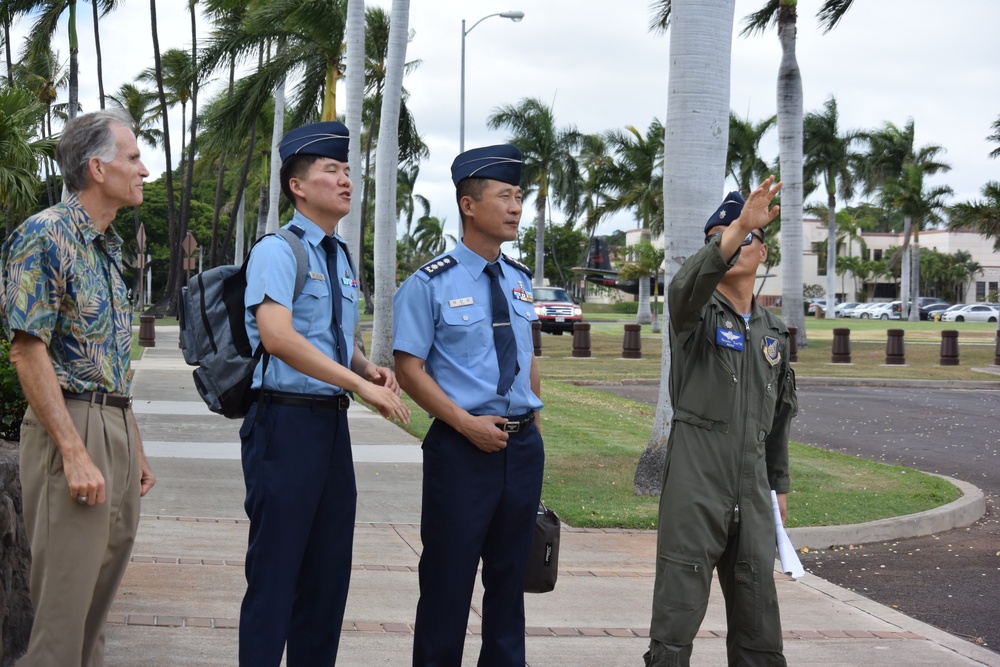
x=297 y=461
x=463 y=350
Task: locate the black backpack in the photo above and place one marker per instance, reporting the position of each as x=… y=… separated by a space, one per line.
x=214 y=336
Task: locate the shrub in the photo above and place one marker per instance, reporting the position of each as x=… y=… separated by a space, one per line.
x=12 y=401
x=627 y=307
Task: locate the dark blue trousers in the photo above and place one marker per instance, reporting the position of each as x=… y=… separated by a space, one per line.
x=301 y=498
x=475 y=505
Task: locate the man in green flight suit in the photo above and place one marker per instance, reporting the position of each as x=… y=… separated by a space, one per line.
x=733 y=393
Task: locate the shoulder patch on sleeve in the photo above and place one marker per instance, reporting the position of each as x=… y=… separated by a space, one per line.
x=439 y=265
x=516 y=264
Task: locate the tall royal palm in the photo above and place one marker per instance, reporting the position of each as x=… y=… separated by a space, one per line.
x=694 y=175
x=784 y=15
x=636 y=185
x=890 y=149
x=829 y=152
x=995 y=137
x=550 y=167
x=41 y=72
x=386 y=164
x=350 y=226
x=919 y=205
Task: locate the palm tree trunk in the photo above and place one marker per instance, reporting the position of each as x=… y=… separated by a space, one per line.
x=386 y=164
x=831 y=254
x=74 y=64
x=189 y=171
x=236 y=215
x=790 y=160
x=168 y=301
x=6 y=43
x=904 y=268
x=696 y=137
x=914 y=315
x=100 y=61
x=540 y=200
x=278 y=131
x=219 y=249
x=350 y=226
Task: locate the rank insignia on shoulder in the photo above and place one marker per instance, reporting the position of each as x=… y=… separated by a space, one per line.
x=439 y=265
x=771 y=349
x=516 y=264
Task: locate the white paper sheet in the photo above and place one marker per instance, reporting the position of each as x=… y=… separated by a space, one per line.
x=790 y=563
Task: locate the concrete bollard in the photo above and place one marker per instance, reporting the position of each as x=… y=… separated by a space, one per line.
x=632 y=344
x=996 y=354
x=949 y=348
x=147 y=331
x=841 y=351
x=895 y=354
x=793 y=344
x=581 y=339
x=536 y=337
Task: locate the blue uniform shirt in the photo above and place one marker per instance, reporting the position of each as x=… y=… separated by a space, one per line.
x=447 y=320
x=271 y=273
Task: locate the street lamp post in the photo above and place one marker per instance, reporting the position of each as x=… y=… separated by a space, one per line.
x=514 y=16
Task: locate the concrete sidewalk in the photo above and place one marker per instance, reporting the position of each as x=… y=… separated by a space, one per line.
x=179 y=602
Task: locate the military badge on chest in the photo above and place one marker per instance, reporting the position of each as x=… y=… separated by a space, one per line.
x=771 y=348
x=726 y=337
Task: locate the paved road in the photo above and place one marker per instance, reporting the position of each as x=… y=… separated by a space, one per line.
x=951 y=580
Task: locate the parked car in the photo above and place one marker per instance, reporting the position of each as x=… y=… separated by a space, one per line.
x=927 y=312
x=556 y=311
x=841 y=308
x=817 y=303
x=886 y=311
x=862 y=312
x=972 y=312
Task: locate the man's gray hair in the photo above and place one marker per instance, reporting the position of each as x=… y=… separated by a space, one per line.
x=84 y=137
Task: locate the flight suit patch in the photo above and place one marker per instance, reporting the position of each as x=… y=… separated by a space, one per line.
x=727 y=338
x=771 y=349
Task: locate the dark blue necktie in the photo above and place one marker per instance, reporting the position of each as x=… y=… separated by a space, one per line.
x=330 y=246
x=503 y=334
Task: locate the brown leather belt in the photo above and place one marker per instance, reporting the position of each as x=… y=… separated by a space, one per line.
x=315 y=402
x=100 y=398
x=518 y=424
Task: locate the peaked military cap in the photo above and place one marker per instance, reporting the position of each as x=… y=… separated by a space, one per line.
x=499 y=163
x=328 y=139
x=728 y=211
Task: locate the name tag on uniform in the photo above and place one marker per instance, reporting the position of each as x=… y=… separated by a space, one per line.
x=313 y=275
x=464 y=301
x=729 y=338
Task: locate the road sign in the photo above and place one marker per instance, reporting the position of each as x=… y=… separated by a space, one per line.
x=140 y=238
x=189 y=244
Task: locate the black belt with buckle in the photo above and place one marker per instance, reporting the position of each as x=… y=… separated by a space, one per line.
x=518 y=424
x=313 y=401
x=99 y=398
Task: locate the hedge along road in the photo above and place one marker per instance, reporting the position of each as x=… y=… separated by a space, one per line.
x=951 y=580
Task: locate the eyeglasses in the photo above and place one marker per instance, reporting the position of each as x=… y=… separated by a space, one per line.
x=747 y=241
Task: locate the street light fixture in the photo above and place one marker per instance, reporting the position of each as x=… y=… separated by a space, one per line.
x=514 y=16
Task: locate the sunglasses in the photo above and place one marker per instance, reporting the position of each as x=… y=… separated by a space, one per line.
x=747 y=241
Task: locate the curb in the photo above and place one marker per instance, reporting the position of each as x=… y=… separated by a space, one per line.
x=957 y=514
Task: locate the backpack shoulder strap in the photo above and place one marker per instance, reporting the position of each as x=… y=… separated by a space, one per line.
x=293 y=235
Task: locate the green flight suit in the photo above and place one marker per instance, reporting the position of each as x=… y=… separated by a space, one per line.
x=728 y=449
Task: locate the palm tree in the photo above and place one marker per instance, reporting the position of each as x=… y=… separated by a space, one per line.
x=430 y=238
x=549 y=165
x=179 y=75
x=20 y=117
x=783 y=14
x=828 y=152
x=995 y=138
x=693 y=179
x=636 y=184
x=386 y=163
x=41 y=72
x=981 y=215
x=890 y=149
x=597 y=163
x=919 y=206
x=743 y=161
x=350 y=226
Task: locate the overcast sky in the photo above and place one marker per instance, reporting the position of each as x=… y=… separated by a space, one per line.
x=599 y=66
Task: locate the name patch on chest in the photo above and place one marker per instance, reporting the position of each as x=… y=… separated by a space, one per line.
x=728 y=338
x=457 y=303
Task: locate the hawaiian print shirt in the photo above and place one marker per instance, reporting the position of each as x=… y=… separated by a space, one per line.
x=62 y=282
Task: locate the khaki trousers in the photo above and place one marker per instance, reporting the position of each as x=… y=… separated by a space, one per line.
x=78 y=553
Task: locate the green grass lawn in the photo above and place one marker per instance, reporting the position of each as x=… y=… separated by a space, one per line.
x=593 y=441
